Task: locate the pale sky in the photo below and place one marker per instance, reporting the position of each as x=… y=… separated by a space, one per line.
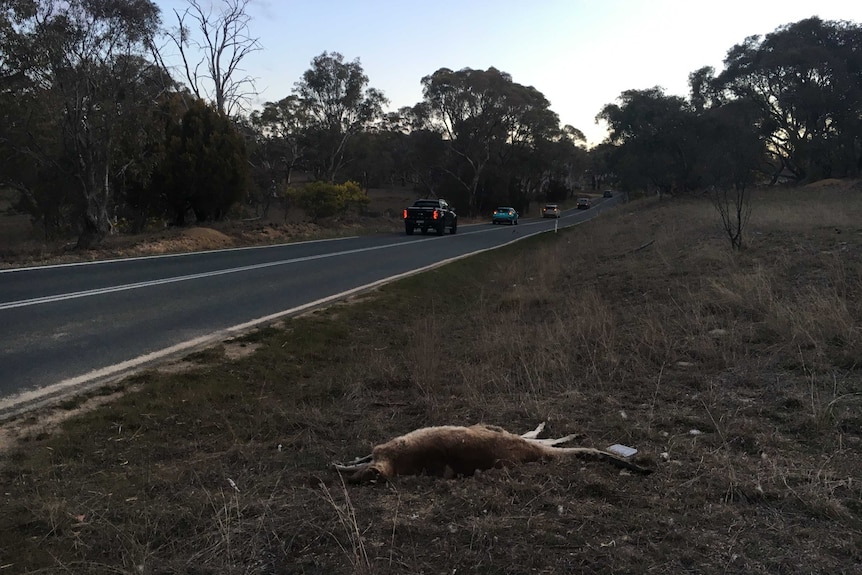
x=580 y=54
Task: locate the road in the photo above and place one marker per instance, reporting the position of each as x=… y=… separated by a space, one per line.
x=73 y=326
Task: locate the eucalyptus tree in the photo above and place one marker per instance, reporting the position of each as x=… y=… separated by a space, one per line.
x=484 y=118
x=84 y=62
x=705 y=91
x=806 y=79
x=420 y=152
x=600 y=171
x=281 y=126
x=655 y=140
x=567 y=163
x=33 y=162
x=339 y=103
x=536 y=149
x=21 y=123
x=278 y=146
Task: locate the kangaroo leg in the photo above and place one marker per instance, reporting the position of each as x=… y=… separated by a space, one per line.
x=535 y=433
x=353 y=465
x=556 y=441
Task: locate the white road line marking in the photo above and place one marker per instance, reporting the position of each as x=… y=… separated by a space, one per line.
x=116 y=371
x=164 y=256
x=151 y=283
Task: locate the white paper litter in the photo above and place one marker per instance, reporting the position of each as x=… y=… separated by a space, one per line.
x=622 y=450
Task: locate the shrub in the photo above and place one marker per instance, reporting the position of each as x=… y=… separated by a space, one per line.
x=323 y=199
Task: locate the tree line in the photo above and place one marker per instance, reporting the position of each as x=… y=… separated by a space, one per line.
x=785 y=106
x=97 y=131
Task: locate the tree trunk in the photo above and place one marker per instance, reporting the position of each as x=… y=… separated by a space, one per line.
x=96 y=224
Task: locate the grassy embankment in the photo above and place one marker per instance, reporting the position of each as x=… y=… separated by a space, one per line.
x=737 y=376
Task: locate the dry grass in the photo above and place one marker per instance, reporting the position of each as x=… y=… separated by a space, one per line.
x=736 y=376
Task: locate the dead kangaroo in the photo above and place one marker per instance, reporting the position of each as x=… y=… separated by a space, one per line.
x=451 y=451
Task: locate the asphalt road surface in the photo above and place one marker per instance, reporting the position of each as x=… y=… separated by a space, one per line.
x=69 y=327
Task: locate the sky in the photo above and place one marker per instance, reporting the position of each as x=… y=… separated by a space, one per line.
x=581 y=54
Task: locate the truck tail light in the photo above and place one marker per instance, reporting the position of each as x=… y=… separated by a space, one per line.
x=405 y=214
x=436 y=215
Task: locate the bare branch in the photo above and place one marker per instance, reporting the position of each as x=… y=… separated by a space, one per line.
x=222 y=43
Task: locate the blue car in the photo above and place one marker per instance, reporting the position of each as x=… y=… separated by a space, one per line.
x=505 y=216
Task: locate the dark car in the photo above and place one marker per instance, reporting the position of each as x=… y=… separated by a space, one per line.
x=551 y=211
x=608 y=194
x=434 y=214
x=505 y=215
x=583 y=203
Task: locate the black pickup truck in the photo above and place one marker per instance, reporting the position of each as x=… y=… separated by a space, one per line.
x=434 y=214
